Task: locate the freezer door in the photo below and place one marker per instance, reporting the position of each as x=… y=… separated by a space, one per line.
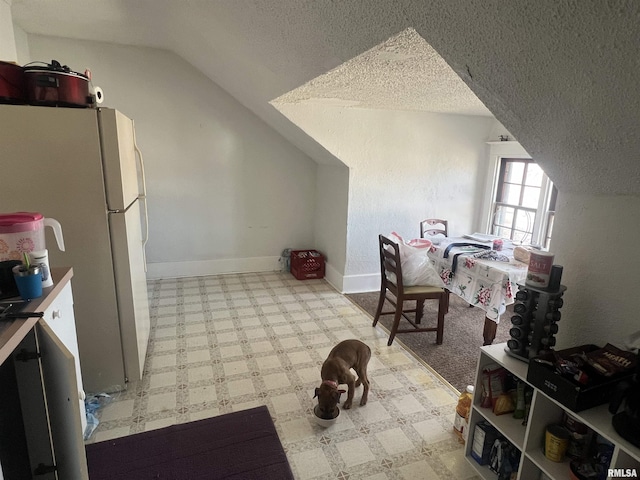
x=118 y=159
x=131 y=288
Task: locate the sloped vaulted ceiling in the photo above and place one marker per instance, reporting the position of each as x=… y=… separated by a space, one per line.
x=561 y=75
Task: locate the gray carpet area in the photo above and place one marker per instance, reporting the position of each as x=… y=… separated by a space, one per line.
x=455 y=360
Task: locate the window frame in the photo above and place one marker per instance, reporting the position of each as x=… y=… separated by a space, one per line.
x=543 y=222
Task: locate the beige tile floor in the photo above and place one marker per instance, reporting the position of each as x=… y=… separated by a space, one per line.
x=220 y=344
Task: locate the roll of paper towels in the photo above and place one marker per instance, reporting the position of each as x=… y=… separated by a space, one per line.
x=99 y=94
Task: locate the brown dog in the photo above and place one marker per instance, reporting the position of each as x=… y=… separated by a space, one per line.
x=336 y=369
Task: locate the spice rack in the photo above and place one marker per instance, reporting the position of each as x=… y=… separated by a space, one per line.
x=534 y=322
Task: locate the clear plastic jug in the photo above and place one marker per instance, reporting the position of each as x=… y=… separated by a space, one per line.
x=23 y=232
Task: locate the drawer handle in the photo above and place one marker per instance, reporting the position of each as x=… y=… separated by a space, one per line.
x=56 y=314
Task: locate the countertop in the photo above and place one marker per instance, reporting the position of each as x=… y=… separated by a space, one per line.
x=13 y=331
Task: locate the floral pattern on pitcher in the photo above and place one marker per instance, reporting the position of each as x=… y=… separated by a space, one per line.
x=25 y=245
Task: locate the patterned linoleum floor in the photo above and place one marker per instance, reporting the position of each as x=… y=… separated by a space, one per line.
x=220 y=344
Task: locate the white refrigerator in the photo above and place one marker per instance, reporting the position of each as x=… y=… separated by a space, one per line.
x=82 y=168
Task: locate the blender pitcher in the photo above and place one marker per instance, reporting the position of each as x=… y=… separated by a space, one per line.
x=23 y=232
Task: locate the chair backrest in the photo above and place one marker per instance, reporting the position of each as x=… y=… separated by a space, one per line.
x=390 y=265
x=434 y=226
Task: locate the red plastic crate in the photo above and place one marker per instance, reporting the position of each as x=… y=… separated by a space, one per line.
x=307 y=264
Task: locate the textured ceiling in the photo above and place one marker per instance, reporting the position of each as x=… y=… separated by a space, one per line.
x=560 y=75
x=402 y=73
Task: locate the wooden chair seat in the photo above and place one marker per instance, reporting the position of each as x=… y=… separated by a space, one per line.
x=392 y=290
x=420 y=290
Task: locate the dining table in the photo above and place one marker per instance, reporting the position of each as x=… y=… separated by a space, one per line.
x=485 y=278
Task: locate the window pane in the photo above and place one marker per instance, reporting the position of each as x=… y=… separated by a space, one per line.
x=522 y=237
x=534 y=175
x=511 y=194
x=524 y=221
x=520 y=189
x=504 y=216
x=513 y=172
x=530 y=197
x=502 y=232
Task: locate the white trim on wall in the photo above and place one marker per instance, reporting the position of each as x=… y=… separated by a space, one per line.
x=333 y=277
x=157 y=271
x=350 y=284
x=361 y=283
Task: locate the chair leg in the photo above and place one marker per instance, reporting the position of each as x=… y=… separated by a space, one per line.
x=419 y=310
x=396 y=322
x=489 y=331
x=442 y=306
x=383 y=292
x=446 y=310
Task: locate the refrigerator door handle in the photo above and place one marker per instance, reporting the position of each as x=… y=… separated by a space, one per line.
x=145 y=239
x=142 y=196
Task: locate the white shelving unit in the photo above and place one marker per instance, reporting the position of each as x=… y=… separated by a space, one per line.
x=544 y=411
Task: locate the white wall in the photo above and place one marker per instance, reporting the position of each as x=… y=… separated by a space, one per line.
x=242 y=193
x=7 y=40
x=595 y=239
x=404 y=167
x=331 y=220
x=225 y=192
x=22 y=45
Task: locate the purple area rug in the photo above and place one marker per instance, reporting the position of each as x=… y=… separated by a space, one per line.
x=239 y=445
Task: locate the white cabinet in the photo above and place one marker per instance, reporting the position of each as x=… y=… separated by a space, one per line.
x=544 y=411
x=41 y=416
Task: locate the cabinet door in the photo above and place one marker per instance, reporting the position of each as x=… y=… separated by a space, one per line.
x=32 y=404
x=60 y=318
x=61 y=392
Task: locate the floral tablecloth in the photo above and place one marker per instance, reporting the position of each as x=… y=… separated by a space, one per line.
x=486 y=284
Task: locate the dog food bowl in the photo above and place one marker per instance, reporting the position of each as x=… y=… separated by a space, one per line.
x=324 y=422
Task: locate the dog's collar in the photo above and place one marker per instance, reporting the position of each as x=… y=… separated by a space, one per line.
x=331 y=382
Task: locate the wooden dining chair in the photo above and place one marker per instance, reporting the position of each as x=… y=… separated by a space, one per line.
x=392 y=290
x=434 y=226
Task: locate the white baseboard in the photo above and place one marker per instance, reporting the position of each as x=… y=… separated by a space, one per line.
x=361 y=283
x=332 y=276
x=157 y=271
x=343 y=284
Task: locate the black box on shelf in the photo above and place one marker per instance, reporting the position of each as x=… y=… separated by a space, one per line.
x=483 y=437
x=567 y=391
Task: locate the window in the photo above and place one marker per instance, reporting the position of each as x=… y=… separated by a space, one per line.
x=524 y=203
